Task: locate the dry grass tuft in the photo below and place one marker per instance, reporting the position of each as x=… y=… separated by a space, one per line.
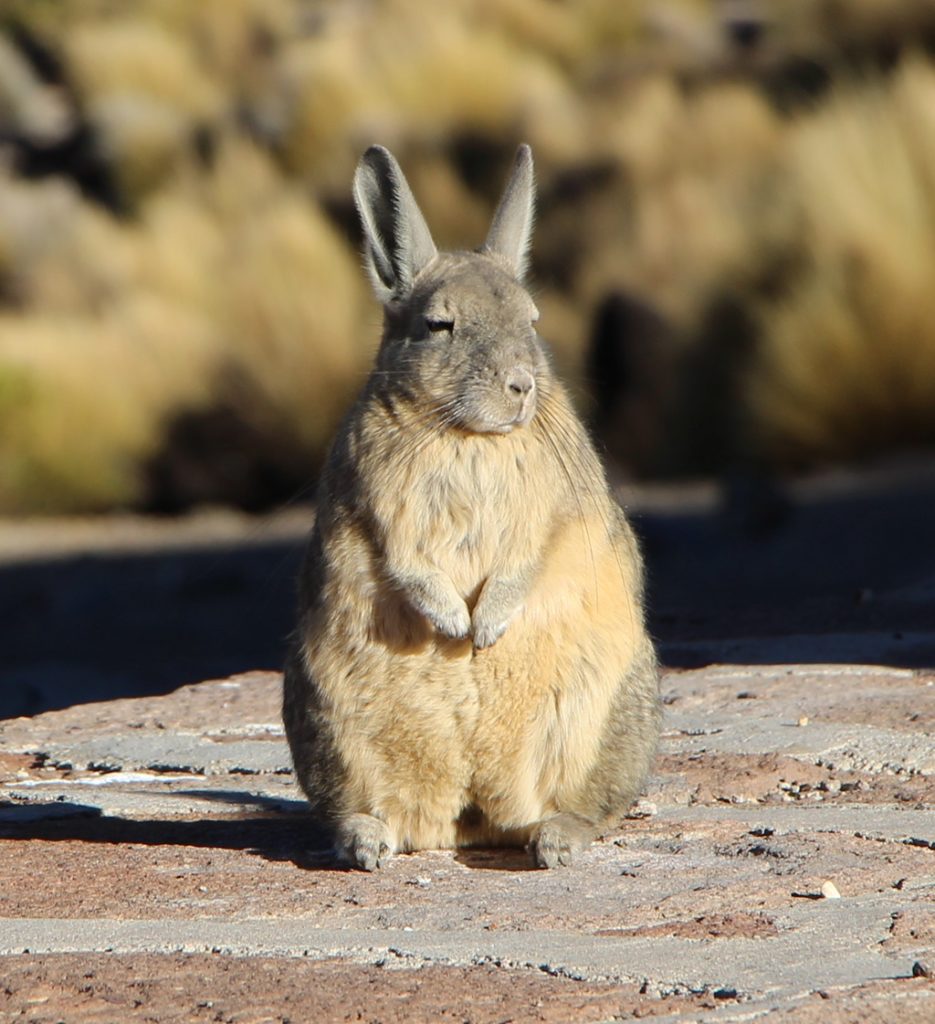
x=408 y=74
x=225 y=279
x=79 y=400
x=145 y=95
x=176 y=230
x=134 y=55
x=690 y=211
x=291 y=312
x=27 y=106
x=847 y=365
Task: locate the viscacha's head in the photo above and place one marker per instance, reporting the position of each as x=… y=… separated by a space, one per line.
x=459 y=338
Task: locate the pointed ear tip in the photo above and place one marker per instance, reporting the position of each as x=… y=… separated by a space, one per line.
x=524 y=153
x=376 y=156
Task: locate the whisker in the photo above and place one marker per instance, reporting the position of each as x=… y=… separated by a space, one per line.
x=551 y=423
x=574 y=439
x=611 y=518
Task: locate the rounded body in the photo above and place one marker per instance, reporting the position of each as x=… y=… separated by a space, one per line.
x=471 y=663
x=445 y=743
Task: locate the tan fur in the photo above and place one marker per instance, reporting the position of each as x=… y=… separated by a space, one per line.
x=548 y=706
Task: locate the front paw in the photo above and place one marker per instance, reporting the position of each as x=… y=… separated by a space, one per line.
x=454 y=623
x=486 y=634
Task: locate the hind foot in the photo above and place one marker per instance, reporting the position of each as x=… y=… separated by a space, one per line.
x=363 y=841
x=556 y=840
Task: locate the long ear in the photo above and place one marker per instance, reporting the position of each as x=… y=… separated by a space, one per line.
x=398 y=243
x=511 y=230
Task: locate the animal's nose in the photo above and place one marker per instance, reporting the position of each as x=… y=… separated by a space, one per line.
x=519 y=382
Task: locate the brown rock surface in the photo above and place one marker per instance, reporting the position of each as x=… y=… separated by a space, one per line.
x=156 y=863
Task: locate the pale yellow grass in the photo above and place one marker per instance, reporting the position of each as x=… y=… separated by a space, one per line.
x=87 y=394
x=60 y=254
x=695 y=208
x=815 y=25
x=228 y=285
x=470 y=76
x=232 y=278
x=458 y=216
x=229 y=37
x=292 y=318
x=136 y=55
x=145 y=93
x=404 y=73
x=27 y=106
x=848 y=361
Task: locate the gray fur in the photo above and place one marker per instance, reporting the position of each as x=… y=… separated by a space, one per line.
x=398 y=243
x=471 y=663
x=511 y=231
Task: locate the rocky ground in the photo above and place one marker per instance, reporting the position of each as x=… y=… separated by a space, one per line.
x=157 y=864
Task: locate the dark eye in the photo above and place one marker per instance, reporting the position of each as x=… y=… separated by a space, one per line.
x=436 y=325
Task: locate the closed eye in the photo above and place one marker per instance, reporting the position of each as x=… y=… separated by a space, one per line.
x=437 y=325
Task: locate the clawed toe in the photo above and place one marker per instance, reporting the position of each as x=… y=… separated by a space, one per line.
x=363 y=842
x=549 y=855
x=368 y=856
x=556 y=841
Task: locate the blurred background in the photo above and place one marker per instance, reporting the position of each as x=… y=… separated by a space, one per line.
x=734 y=262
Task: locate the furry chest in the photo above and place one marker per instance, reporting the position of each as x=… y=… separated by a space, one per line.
x=468 y=514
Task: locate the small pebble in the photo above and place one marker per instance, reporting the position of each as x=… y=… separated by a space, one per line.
x=920 y=969
x=830 y=891
x=643 y=809
x=803 y=720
